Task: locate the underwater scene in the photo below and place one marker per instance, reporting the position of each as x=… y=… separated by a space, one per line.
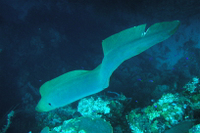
x=100 y=66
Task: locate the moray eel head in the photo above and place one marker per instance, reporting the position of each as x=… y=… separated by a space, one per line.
x=44 y=106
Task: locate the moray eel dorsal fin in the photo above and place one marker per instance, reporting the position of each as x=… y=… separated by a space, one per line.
x=117 y=48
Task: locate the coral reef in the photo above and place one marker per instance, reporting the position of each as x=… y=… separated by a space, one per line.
x=83 y=125
x=93 y=108
x=168 y=114
x=168 y=111
x=195 y=129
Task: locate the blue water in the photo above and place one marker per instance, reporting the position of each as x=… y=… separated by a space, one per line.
x=40 y=40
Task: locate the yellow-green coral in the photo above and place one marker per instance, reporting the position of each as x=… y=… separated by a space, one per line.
x=152 y=113
x=191 y=86
x=195 y=129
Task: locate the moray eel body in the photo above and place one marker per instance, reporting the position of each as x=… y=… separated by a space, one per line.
x=117 y=48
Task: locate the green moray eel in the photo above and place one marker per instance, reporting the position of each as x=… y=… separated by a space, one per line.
x=117 y=48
